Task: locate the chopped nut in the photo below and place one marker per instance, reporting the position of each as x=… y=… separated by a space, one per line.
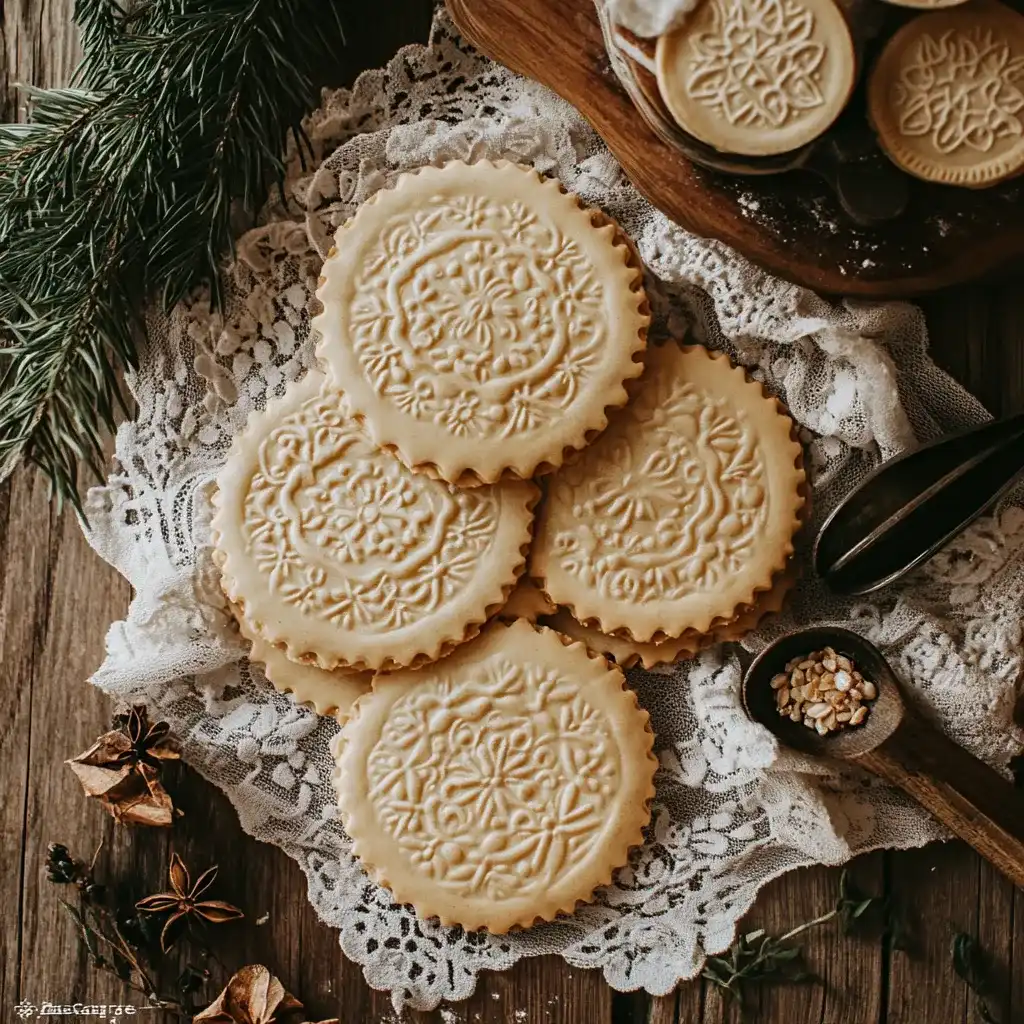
x=824 y=691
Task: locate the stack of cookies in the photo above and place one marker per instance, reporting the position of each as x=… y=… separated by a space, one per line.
x=491 y=499
x=759 y=83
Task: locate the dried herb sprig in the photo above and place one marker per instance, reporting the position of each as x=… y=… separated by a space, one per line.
x=758 y=958
x=973 y=965
x=133 y=183
x=116 y=938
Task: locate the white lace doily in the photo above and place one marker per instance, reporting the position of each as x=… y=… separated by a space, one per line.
x=731 y=812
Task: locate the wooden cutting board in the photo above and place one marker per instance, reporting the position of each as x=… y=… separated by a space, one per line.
x=791 y=224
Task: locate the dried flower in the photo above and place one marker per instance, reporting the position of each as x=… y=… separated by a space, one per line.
x=252 y=996
x=183 y=902
x=122 y=769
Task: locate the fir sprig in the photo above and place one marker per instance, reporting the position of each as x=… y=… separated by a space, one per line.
x=131 y=184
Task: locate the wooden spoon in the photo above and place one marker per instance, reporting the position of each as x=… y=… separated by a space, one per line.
x=896 y=743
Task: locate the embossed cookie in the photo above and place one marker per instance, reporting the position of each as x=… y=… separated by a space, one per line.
x=332 y=549
x=757 y=79
x=481 y=321
x=527 y=601
x=625 y=652
x=500 y=785
x=628 y=653
x=330 y=693
x=682 y=512
x=946 y=96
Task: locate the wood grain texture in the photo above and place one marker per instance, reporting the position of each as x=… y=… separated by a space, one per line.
x=789 y=224
x=56 y=599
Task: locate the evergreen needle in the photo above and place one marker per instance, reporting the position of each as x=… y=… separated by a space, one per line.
x=129 y=185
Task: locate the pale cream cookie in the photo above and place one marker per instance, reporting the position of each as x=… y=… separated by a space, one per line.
x=757 y=79
x=627 y=652
x=682 y=512
x=930 y=5
x=501 y=785
x=527 y=601
x=335 y=551
x=946 y=96
x=329 y=693
x=481 y=321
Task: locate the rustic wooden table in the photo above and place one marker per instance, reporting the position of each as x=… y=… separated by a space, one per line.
x=57 y=599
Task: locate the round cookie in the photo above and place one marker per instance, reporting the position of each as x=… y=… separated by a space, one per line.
x=333 y=550
x=945 y=95
x=501 y=785
x=927 y=5
x=481 y=321
x=527 y=601
x=628 y=653
x=757 y=79
x=625 y=652
x=330 y=693
x=682 y=512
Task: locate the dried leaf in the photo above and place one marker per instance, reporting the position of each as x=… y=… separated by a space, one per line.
x=252 y=996
x=122 y=770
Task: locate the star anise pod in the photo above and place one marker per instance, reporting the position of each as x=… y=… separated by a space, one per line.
x=122 y=769
x=183 y=902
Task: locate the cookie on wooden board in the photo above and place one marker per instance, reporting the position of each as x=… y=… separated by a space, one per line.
x=501 y=785
x=682 y=512
x=946 y=95
x=757 y=79
x=335 y=551
x=481 y=321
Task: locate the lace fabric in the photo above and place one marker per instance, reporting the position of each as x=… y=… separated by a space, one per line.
x=732 y=810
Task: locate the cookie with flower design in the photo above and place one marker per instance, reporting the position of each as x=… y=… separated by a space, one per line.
x=682 y=512
x=946 y=95
x=335 y=552
x=481 y=321
x=757 y=77
x=328 y=692
x=501 y=785
x=627 y=652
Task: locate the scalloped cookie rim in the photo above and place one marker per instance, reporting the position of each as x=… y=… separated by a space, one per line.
x=882 y=114
x=596 y=676
x=424 y=451
x=515 y=542
x=587 y=606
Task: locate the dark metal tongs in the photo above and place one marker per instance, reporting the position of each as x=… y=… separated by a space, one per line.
x=914 y=504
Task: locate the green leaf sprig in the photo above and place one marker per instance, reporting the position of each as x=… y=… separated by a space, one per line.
x=131 y=183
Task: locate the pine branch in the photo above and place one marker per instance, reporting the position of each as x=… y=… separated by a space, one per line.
x=129 y=185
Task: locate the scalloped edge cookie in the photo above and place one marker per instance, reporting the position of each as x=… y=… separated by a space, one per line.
x=627 y=653
x=603 y=685
x=699 y=611
x=699 y=119
x=261 y=613
x=907 y=152
x=473 y=461
x=328 y=693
